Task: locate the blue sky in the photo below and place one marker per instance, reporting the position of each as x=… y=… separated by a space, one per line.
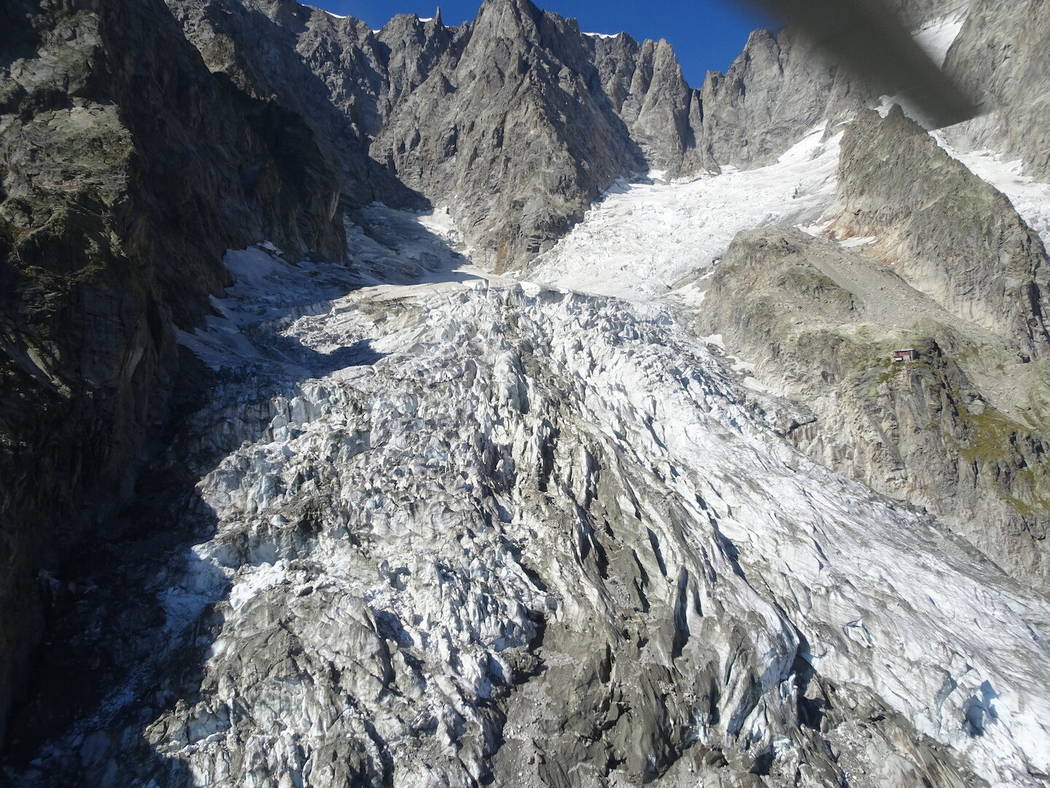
x=707 y=34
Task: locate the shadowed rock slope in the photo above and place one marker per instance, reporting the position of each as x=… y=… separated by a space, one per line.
x=322 y=68
x=126 y=169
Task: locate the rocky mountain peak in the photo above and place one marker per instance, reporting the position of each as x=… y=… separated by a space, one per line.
x=616 y=107
x=508 y=19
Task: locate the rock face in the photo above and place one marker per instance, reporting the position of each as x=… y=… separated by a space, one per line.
x=644 y=83
x=524 y=127
x=518 y=119
x=324 y=70
x=822 y=322
x=967 y=247
x=511 y=133
x=778 y=89
x=127 y=169
x=782 y=86
x=1001 y=56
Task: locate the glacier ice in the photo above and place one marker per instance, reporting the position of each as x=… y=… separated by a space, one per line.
x=519 y=527
x=642 y=239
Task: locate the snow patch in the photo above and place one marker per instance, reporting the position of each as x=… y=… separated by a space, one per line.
x=440 y=223
x=854 y=243
x=328 y=13
x=816 y=229
x=254 y=580
x=937 y=36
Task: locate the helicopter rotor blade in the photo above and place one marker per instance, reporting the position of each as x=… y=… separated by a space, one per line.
x=868 y=38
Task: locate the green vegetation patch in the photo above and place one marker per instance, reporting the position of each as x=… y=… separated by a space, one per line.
x=990 y=435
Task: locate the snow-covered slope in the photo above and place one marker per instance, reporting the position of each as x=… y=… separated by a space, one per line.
x=641 y=239
x=937 y=36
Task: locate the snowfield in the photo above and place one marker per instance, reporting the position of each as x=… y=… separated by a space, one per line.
x=937 y=36
x=641 y=239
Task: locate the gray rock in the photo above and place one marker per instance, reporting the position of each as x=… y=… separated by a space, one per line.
x=517 y=119
x=126 y=170
x=822 y=322
x=779 y=88
x=967 y=247
x=510 y=133
x=523 y=124
x=645 y=85
x=329 y=72
x=1000 y=55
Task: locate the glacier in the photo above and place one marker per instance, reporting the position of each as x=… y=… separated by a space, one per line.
x=642 y=239
x=473 y=529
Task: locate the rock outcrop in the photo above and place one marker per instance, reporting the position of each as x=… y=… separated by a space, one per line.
x=328 y=71
x=126 y=170
x=517 y=119
x=644 y=83
x=821 y=323
x=966 y=247
x=779 y=88
x=511 y=133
